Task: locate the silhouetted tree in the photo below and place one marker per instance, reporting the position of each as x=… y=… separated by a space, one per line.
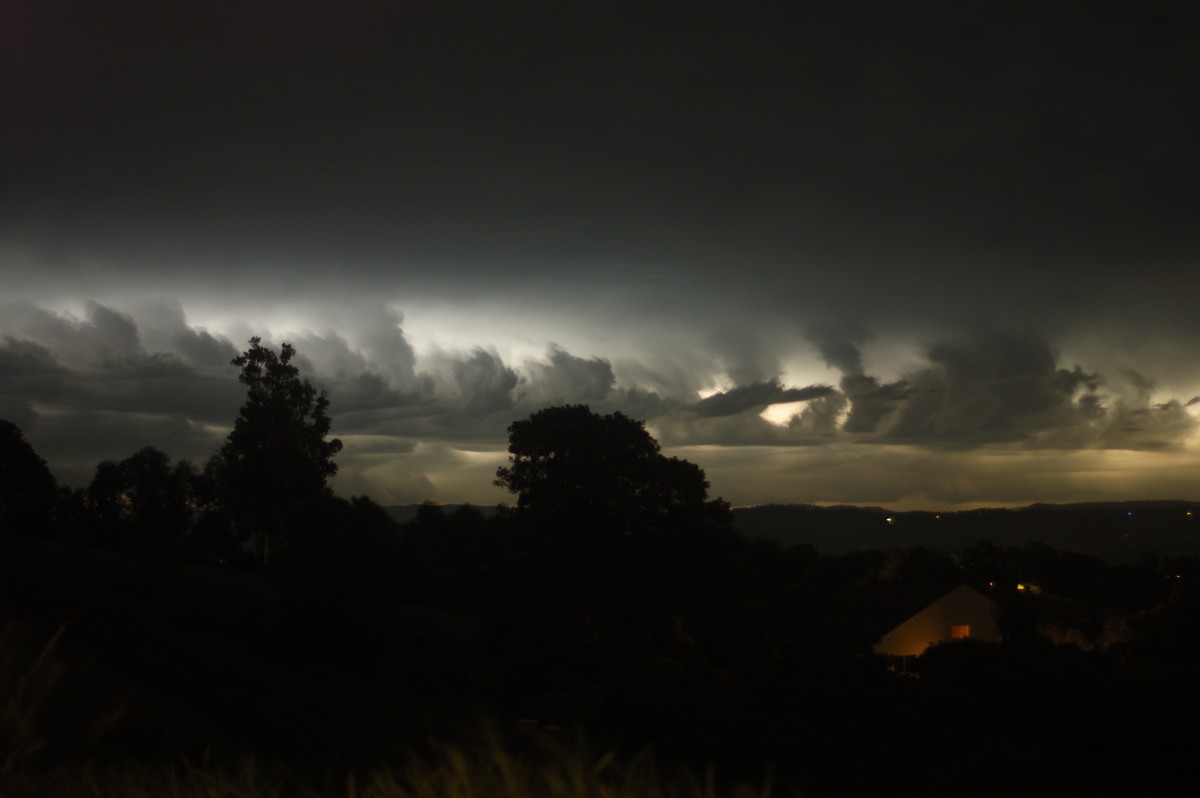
x=144 y=495
x=106 y=512
x=468 y=517
x=213 y=538
x=572 y=468
x=431 y=519
x=27 y=488
x=71 y=513
x=278 y=453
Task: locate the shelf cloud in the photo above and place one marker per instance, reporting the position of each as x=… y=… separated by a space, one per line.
x=922 y=260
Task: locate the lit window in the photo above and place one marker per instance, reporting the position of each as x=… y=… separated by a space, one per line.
x=959 y=632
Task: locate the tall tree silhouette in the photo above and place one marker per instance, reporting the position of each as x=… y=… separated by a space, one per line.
x=278 y=453
x=576 y=469
x=27 y=488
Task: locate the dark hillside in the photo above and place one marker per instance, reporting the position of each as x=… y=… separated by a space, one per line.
x=1116 y=531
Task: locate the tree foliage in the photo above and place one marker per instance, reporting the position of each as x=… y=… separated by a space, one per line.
x=142 y=495
x=574 y=468
x=279 y=452
x=28 y=490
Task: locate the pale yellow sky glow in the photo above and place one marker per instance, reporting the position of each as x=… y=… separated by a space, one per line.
x=443 y=441
x=909 y=478
x=897 y=477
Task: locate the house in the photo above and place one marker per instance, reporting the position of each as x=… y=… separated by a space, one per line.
x=964 y=612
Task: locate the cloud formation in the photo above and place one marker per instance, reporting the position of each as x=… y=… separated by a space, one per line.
x=756 y=396
x=896 y=242
x=100 y=387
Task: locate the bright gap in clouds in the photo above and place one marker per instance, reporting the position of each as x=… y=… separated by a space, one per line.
x=721 y=385
x=781 y=414
x=800 y=373
x=275 y=322
x=517 y=336
x=521 y=330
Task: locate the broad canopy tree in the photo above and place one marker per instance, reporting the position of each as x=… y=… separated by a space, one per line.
x=142 y=496
x=279 y=452
x=577 y=470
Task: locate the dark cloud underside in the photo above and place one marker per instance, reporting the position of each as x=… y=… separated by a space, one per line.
x=889 y=233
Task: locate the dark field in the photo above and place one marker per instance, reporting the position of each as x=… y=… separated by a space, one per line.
x=744 y=658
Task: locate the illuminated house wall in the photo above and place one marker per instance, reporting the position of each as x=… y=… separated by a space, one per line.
x=962 y=613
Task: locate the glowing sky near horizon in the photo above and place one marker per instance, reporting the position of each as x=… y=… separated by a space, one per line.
x=914 y=259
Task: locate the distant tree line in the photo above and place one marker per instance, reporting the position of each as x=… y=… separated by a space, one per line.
x=570 y=468
x=278 y=456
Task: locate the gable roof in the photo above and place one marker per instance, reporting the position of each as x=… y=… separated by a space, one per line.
x=963 y=612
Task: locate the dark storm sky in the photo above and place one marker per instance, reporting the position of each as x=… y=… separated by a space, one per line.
x=949 y=251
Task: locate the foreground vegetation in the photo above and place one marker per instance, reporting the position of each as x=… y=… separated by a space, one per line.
x=743 y=657
x=171 y=631
x=540 y=766
x=453 y=772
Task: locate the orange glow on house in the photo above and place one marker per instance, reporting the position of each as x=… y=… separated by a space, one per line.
x=962 y=613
